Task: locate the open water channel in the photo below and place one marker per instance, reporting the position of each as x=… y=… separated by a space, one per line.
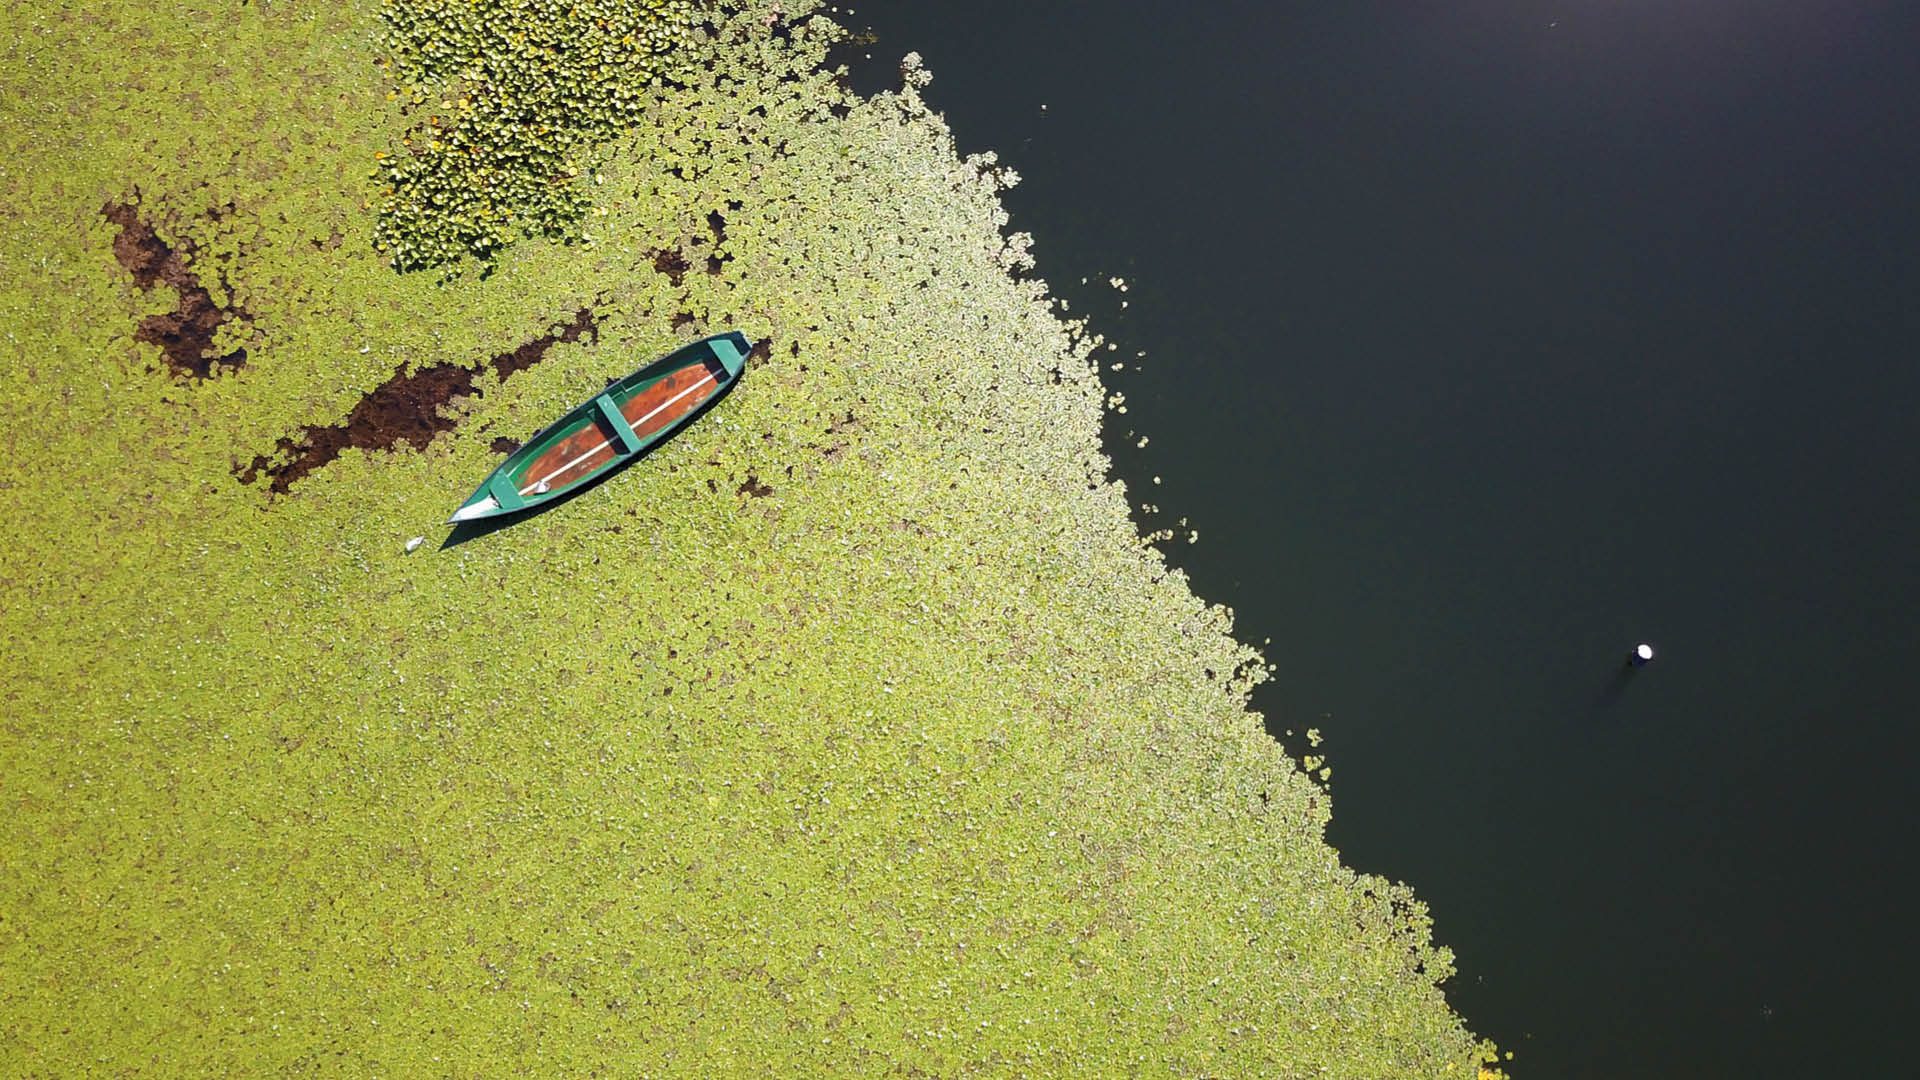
x=1485 y=339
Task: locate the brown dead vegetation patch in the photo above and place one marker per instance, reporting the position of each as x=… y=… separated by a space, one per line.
x=185 y=334
x=717 y=225
x=407 y=408
x=671 y=262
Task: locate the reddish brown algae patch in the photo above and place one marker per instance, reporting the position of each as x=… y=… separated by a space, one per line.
x=407 y=408
x=185 y=334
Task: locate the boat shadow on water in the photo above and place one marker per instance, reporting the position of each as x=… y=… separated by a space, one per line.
x=465 y=531
x=1614 y=688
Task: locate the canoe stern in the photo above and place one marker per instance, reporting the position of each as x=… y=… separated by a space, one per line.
x=731 y=349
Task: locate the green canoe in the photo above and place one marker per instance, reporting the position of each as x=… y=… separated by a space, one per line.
x=623 y=422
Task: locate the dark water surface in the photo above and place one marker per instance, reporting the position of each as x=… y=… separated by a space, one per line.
x=1479 y=348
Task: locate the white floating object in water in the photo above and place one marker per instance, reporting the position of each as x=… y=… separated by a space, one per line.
x=1642 y=654
x=414 y=543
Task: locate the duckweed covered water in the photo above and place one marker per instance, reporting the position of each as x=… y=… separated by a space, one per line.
x=855 y=731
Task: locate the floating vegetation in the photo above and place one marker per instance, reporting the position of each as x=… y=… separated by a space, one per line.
x=857 y=733
x=504 y=98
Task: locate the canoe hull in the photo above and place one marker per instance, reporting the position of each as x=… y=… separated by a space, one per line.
x=623 y=422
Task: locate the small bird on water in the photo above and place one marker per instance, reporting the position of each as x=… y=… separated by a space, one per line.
x=1641 y=656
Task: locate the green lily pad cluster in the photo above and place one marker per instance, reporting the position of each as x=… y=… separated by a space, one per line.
x=504 y=97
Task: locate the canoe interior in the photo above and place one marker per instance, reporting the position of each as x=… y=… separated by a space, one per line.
x=584 y=442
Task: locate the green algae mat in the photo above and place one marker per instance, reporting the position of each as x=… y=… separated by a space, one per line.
x=855 y=732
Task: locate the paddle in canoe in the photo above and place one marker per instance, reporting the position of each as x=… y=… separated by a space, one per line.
x=623 y=422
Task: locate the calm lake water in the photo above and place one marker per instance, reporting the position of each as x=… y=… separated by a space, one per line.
x=1485 y=339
